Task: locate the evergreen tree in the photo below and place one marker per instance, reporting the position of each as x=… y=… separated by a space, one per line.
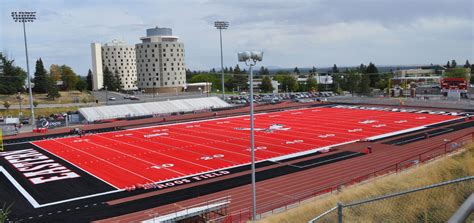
x=364 y=84
x=362 y=68
x=40 y=80
x=448 y=65
x=89 y=80
x=453 y=64
x=373 y=74
x=311 y=84
x=237 y=69
x=81 y=84
x=312 y=71
x=226 y=70
x=53 y=90
x=335 y=70
x=108 y=79
x=266 y=71
x=467 y=64
x=266 y=85
x=117 y=84
x=296 y=71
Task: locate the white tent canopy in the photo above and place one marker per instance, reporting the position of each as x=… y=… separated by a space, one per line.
x=151 y=108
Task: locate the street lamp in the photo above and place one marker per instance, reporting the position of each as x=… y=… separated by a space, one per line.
x=220 y=25
x=250 y=59
x=25 y=17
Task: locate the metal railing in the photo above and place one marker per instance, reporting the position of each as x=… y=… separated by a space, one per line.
x=340 y=207
x=278 y=206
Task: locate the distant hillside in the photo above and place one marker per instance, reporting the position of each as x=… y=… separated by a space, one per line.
x=382 y=69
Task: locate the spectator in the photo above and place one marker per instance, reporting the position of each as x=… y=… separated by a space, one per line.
x=369 y=149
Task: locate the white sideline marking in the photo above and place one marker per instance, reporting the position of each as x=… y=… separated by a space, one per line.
x=35 y=203
x=20 y=188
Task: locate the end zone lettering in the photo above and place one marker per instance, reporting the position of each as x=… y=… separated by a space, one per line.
x=37 y=167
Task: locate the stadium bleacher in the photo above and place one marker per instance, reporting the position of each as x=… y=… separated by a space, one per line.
x=92 y=114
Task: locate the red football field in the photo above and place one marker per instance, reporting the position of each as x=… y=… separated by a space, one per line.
x=161 y=153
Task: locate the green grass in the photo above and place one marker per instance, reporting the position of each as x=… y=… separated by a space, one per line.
x=66 y=97
x=38 y=111
x=435 y=205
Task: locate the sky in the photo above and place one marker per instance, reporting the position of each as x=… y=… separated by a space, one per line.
x=302 y=33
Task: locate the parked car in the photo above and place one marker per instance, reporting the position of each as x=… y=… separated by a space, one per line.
x=134 y=98
x=112 y=99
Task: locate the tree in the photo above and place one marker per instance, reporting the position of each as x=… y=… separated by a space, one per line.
x=109 y=80
x=237 y=69
x=68 y=77
x=373 y=74
x=467 y=64
x=290 y=84
x=6 y=104
x=89 y=80
x=457 y=72
x=117 y=83
x=263 y=71
x=41 y=79
x=55 y=71
x=81 y=85
x=266 y=85
x=296 y=71
x=448 y=65
x=12 y=80
x=353 y=80
x=53 y=90
x=364 y=84
x=311 y=84
x=453 y=64
x=363 y=68
x=335 y=70
x=312 y=71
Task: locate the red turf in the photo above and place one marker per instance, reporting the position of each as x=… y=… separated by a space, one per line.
x=162 y=153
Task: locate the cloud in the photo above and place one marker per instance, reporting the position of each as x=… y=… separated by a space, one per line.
x=291 y=33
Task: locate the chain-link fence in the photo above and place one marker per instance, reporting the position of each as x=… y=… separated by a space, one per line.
x=434 y=203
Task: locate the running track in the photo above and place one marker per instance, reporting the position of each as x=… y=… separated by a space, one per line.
x=162 y=153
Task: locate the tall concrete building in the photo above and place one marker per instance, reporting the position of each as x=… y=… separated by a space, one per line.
x=160 y=62
x=119 y=58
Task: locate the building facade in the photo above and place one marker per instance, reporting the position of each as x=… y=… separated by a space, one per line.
x=426 y=75
x=119 y=58
x=160 y=62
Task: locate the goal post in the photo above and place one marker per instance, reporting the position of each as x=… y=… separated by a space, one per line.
x=1 y=140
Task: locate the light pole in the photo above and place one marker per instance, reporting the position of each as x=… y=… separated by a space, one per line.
x=106 y=95
x=220 y=25
x=25 y=17
x=250 y=59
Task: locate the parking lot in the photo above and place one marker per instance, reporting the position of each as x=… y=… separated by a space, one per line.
x=278 y=97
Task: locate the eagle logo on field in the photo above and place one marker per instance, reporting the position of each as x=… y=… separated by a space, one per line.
x=270 y=129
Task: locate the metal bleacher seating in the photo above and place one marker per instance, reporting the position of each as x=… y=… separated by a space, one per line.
x=92 y=114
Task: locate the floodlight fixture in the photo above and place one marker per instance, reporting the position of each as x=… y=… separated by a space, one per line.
x=220 y=25
x=25 y=17
x=250 y=59
x=248 y=56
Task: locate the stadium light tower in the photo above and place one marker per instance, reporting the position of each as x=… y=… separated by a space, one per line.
x=24 y=17
x=250 y=59
x=220 y=25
